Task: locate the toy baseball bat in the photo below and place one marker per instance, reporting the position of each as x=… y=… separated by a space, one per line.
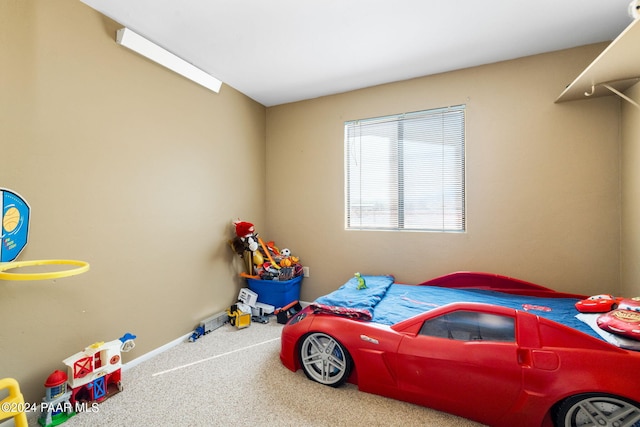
x=266 y=251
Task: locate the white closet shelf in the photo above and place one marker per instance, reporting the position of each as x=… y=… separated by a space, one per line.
x=618 y=66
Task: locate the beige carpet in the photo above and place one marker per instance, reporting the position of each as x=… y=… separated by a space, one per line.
x=234 y=377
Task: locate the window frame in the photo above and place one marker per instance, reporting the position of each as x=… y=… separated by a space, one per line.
x=452 y=186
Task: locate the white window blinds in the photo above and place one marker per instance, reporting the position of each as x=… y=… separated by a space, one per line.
x=406 y=172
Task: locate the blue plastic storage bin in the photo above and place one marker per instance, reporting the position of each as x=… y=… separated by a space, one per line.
x=276 y=293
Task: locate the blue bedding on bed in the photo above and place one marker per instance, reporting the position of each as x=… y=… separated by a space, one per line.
x=348 y=295
x=390 y=303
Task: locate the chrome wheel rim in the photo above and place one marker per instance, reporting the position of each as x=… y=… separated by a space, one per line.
x=323 y=358
x=603 y=411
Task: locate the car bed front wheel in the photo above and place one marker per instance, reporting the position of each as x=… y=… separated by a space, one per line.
x=324 y=359
x=593 y=409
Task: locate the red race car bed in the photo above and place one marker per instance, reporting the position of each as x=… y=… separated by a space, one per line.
x=490 y=348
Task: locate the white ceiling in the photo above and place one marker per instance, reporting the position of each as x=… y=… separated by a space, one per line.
x=280 y=51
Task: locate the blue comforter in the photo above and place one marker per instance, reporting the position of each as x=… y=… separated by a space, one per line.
x=348 y=295
x=390 y=303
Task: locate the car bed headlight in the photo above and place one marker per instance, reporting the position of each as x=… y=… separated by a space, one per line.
x=298 y=317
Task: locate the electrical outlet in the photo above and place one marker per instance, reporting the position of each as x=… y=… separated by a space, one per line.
x=305 y=271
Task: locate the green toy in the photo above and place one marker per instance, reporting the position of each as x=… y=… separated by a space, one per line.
x=361 y=282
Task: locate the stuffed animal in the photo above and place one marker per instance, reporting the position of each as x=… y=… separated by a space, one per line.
x=245 y=244
x=246 y=239
x=245 y=231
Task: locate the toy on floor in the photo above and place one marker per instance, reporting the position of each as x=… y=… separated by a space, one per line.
x=240 y=312
x=13 y=406
x=238 y=317
x=208 y=325
x=260 y=312
x=287 y=312
x=56 y=406
x=248 y=302
x=248 y=309
x=94 y=374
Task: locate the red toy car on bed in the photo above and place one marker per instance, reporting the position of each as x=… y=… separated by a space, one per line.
x=496 y=365
x=598 y=304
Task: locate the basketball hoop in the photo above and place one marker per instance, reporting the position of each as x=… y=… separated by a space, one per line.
x=80 y=267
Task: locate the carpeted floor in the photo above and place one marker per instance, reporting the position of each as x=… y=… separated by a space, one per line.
x=234 y=377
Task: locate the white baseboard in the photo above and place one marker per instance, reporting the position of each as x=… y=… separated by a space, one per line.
x=168 y=346
x=155 y=352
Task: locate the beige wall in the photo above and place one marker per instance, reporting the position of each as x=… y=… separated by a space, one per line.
x=125 y=165
x=542 y=180
x=139 y=172
x=630 y=159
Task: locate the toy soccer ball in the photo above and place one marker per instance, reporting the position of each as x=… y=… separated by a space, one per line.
x=634 y=9
x=285 y=252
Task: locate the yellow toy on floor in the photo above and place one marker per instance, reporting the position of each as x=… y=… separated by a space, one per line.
x=13 y=405
x=238 y=317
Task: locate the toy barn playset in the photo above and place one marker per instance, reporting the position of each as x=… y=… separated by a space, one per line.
x=93 y=375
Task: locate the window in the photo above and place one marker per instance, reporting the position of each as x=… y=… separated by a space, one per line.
x=406 y=172
x=470 y=326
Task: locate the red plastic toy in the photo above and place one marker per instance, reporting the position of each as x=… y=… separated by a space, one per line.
x=598 y=304
x=500 y=366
